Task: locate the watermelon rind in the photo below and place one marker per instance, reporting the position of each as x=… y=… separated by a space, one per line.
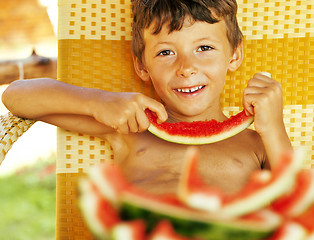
x=131 y=230
x=164 y=231
x=295 y=232
x=188 y=140
x=104 y=185
x=291 y=231
x=191 y=223
x=306 y=201
x=310 y=236
x=264 y=196
x=199 y=140
x=88 y=202
x=124 y=231
x=203 y=202
x=121 y=231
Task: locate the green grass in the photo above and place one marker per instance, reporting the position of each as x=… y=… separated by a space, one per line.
x=28 y=204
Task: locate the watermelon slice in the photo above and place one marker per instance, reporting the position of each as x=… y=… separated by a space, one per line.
x=262 y=188
x=109 y=180
x=300 y=199
x=195 y=224
x=98 y=213
x=198 y=132
x=132 y=203
x=120 y=214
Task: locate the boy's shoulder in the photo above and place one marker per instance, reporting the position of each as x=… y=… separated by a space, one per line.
x=250 y=138
x=118 y=144
x=253 y=142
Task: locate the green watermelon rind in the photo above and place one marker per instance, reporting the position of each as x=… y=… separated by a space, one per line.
x=194 y=140
x=266 y=195
x=192 y=223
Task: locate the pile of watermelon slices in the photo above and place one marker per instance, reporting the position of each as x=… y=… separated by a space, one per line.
x=276 y=205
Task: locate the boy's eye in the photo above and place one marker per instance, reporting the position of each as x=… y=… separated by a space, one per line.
x=204 y=48
x=165 y=53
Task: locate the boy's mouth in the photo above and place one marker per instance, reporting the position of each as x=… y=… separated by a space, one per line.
x=190 y=89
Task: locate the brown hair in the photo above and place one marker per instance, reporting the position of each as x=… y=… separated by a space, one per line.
x=174 y=12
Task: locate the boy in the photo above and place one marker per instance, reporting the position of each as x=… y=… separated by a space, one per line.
x=186 y=49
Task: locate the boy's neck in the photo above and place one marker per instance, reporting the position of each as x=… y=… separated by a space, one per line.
x=215 y=113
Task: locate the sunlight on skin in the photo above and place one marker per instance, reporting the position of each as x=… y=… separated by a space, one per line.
x=39 y=142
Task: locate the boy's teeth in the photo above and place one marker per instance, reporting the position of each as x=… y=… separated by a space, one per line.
x=189 y=90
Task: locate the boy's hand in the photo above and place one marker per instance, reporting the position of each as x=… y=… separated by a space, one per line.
x=124 y=112
x=263 y=99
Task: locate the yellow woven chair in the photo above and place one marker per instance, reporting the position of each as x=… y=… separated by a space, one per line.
x=94 y=51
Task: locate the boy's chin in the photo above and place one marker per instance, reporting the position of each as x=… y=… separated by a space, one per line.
x=188 y=112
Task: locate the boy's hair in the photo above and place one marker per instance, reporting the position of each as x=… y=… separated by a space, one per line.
x=174 y=12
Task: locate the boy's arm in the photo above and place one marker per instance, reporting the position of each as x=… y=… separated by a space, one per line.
x=263 y=99
x=85 y=110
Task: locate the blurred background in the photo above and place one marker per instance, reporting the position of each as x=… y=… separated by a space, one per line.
x=28 y=49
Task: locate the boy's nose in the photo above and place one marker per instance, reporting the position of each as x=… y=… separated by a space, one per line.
x=186 y=68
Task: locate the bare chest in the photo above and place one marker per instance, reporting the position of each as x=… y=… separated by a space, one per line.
x=156 y=165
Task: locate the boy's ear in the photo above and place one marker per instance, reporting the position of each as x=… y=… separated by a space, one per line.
x=237 y=58
x=140 y=69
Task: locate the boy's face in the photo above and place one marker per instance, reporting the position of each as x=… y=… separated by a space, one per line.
x=188 y=67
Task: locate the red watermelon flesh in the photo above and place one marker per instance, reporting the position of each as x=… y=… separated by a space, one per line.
x=262 y=188
x=198 y=132
x=306 y=218
x=105 y=209
x=300 y=199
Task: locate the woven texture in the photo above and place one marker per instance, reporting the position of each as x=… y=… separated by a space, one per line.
x=94 y=51
x=11 y=128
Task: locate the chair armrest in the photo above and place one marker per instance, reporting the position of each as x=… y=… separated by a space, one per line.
x=11 y=128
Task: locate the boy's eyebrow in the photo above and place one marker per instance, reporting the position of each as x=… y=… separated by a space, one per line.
x=161 y=43
x=195 y=41
x=206 y=38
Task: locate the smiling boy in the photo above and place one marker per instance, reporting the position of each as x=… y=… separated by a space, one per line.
x=185 y=48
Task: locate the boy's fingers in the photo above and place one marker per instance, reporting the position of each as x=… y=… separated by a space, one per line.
x=133 y=126
x=258 y=83
x=249 y=100
x=248 y=108
x=248 y=112
x=157 y=108
x=142 y=120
